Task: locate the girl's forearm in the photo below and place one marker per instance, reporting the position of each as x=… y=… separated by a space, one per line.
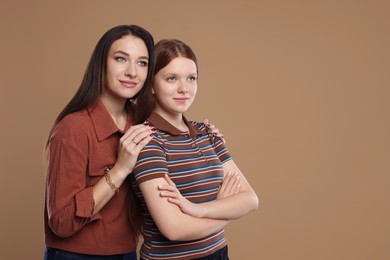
x=232 y=207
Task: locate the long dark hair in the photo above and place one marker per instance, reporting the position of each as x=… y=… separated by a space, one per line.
x=94 y=79
x=164 y=52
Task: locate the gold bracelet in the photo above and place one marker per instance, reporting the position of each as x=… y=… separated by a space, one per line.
x=109 y=181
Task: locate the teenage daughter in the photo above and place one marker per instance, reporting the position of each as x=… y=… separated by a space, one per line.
x=189 y=224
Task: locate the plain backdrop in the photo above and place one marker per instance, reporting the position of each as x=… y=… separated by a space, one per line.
x=299 y=88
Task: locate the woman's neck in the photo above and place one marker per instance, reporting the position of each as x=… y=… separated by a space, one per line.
x=116 y=108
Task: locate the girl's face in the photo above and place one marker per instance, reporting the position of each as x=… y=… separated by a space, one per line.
x=175 y=87
x=127 y=68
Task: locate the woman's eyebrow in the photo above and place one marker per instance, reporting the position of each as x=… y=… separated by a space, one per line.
x=128 y=55
x=122 y=52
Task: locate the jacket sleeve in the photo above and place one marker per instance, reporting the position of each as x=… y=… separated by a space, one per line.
x=69 y=201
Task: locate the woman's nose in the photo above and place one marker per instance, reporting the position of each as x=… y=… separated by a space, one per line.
x=131 y=71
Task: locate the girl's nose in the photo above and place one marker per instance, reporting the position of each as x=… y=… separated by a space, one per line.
x=183 y=88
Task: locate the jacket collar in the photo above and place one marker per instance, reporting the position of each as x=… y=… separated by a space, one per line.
x=103 y=123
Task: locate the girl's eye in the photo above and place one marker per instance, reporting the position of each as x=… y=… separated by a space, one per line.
x=143 y=63
x=193 y=78
x=120 y=59
x=171 y=78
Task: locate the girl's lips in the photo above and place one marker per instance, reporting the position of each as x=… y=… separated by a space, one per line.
x=182 y=99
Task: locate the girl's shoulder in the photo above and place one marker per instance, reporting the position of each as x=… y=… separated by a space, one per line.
x=200 y=126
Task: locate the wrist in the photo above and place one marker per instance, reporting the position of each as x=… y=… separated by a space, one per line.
x=203 y=210
x=118 y=174
x=109 y=181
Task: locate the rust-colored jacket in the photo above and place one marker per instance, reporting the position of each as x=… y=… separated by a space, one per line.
x=82 y=145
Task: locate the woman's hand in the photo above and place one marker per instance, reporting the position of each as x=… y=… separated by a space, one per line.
x=230 y=185
x=174 y=196
x=130 y=145
x=214 y=130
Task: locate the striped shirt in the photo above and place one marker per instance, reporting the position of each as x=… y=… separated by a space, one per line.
x=193 y=161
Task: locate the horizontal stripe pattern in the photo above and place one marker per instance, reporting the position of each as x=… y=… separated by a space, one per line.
x=194 y=162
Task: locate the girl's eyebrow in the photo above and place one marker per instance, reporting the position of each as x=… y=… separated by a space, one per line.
x=128 y=55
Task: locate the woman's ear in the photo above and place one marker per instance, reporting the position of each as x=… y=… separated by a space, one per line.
x=153 y=91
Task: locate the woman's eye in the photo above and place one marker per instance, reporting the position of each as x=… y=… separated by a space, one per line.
x=193 y=78
x=171 y=78
x=120 y=59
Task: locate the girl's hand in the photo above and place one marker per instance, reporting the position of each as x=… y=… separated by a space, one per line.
x=174 y=196
x=130 y=145
x=230 y=185
x=214 y=130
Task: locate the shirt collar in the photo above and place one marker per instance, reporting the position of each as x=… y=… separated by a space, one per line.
x=103 y=123
x=160 y=123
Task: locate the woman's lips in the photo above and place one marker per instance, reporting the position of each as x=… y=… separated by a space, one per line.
x=128 y=83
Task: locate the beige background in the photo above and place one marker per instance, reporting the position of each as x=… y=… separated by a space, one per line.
x=300 y=89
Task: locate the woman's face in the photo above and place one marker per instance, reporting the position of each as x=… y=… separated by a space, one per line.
x=127 y=68
x=175 y=86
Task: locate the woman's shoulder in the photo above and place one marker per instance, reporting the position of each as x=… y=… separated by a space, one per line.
x=76 y=123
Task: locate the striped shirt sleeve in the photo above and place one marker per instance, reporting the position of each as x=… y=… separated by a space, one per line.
x=151 y=162
x=218 y=145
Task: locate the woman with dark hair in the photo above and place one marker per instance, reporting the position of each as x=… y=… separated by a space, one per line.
x=92 y=148
x=187 y=182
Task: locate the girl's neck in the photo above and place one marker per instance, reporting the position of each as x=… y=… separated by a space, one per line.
x=174 y=119
x=116 y=108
